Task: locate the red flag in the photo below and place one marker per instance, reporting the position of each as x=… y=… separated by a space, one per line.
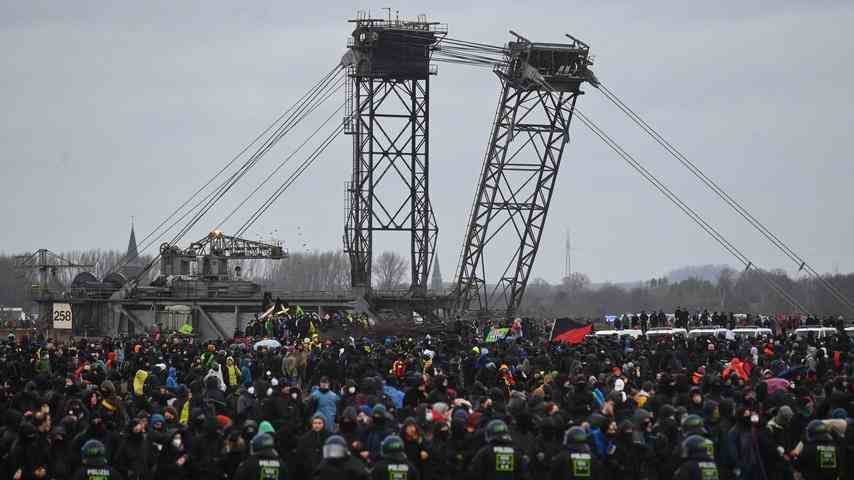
x=574 y=336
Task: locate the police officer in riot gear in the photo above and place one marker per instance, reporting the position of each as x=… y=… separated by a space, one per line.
x=575 y=462
x=337 y=463
x=394 y=465
x=693 y=425
x=820 y=458
x=95 y=466
x=498 y=459
x=698 y=461
x=263 y=462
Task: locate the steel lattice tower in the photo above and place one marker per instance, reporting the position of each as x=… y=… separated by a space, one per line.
x=540 y=85
x=388 y=115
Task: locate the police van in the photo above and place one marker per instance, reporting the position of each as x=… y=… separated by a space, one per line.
x=713 y=331
x=618 y=333
x=751 y=332
x=815 y=332
x=680 y=333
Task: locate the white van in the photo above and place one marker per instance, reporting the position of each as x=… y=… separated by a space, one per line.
x=668 y=332
x=751 y=332
x=618 y=333
x=817 y=332
x=708 y=332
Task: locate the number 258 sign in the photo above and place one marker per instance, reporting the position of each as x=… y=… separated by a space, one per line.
x=62 y=316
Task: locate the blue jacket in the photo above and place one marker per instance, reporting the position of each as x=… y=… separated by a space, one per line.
x=246 y=376
x=602 y=445
x=373 y=439
x=172 y=379
x=599 y=397
x=327 y=404
x=395 y=395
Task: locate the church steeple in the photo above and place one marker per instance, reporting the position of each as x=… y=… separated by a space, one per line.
x=436 y=283
x=132 y=252
x=133 y=265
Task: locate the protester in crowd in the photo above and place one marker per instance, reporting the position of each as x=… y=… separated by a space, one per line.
x=438 y=406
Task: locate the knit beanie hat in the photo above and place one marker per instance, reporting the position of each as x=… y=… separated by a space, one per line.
x=784 y=416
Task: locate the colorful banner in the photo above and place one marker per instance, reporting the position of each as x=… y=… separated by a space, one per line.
x=496 y=334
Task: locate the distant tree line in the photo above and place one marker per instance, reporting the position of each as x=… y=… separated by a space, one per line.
x=16 y=283
x=13 y=287
x=330 y=271
x=738 y=292
x=747 y=292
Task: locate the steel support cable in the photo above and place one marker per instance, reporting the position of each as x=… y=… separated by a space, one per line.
x=242 y=152
x=741 y=210
x=726 y=197
x=474 y=45
x=451 y=57
x=464 y=57
x=304 y=108
x=670 y=195
x=474 y=53
x=293 y=177
x=459 y=49
x=223 y=169
x=281 y=165
x=483 y=47
x=458 y=54
x=469 y=50
x=457 y=61
x=210 y=200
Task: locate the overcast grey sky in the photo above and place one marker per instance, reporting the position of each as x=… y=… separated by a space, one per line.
x=113 y=109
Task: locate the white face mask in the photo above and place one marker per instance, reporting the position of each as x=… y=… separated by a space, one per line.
x=352 y=390
x=294 y=396
x=176 y=443
x=754 y=418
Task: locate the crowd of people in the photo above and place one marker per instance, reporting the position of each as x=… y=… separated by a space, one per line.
x=683 y=318
x=445 y=406
x=281 y=320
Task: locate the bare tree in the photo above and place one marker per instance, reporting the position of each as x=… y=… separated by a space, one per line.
x=328 y=271
x=576 y=281
x=390 y=270
x=726 y=283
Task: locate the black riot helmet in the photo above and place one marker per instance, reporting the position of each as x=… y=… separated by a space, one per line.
x=575 y=436
x=335 y=447
x=698 y=447
x=497 y=430
x=818 y=431
x=93 y=452
x=693 y=425
x=392 y=447
x=263 y=442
